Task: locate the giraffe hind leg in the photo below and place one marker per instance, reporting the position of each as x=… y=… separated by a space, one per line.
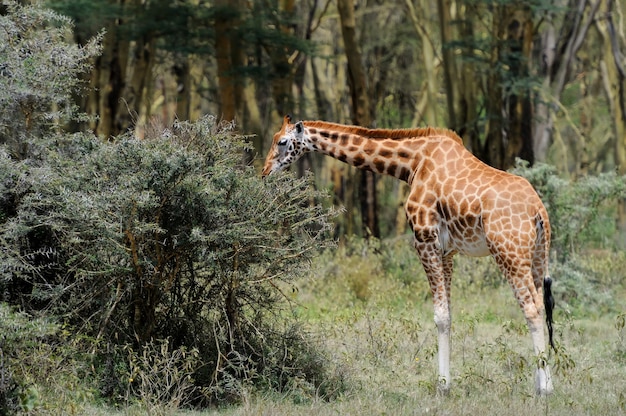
x=522 y=279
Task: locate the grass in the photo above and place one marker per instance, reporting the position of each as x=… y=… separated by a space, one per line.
x=383 y=339
x=371 y=311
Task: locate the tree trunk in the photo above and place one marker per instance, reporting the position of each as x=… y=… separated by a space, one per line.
x=613 y=67
x=557 y=56
x=356 y=75
x=428 y=53
x=467 y=97
x=225 y=51
x=449 y=62
x=360 y=111
x=182 y=75
x=138 y=71
x=282 y=66
x=517 y=102
x=110 y=69
x=493 y=153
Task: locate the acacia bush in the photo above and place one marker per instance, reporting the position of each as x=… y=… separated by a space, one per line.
x=170 y=240
x=40 y=70
x=169 y=237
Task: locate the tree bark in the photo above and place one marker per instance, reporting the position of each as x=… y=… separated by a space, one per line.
x=360 y=112
x=494 y=146
x=449 y=62
x=226 y=53
x=110 y=70
x=557 y=56
x=613 y=68
x=428 y=53
x=517 y=104
x=139 y=69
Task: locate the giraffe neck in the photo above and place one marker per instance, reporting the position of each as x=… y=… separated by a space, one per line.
x=391 y=152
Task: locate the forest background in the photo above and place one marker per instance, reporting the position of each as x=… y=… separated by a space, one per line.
x=537 y=80
x=134 y=262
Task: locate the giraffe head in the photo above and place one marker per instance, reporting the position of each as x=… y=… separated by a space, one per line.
x=287 y=147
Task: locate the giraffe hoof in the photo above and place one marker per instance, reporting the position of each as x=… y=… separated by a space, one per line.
x=543 y=382
x=443 y=388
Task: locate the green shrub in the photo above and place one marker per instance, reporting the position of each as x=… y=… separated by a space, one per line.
x=582 y=212
x=587 y=283
x=31 y=350
x=166 y=237
x=40 y=68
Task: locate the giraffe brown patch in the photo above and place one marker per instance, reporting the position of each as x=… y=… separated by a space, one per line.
x=421 y=218
x=391 y=170
x=358 y=160
x=471 y=221
x=342 y=156
x=312 y=130
x=379 y=164
x=404 y=173
x=384 y=153
x=370 y=149
x=356 y=140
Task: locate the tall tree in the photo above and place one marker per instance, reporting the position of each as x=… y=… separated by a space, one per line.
x=490 y=71
x=558 y=51
x=360 y=111
x=613 y=68
x=229 y=56
x=423 y=30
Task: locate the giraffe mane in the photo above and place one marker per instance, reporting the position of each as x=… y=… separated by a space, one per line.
x=385 y=133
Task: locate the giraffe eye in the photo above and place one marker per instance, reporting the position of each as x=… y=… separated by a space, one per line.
x=283 y=142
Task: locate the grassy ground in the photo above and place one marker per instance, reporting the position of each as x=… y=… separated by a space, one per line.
x=374 y=317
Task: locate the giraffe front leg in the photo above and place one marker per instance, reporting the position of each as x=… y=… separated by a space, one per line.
x=439 y=271
x=443 y=322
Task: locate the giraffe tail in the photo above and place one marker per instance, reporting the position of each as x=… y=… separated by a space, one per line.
x=543 y=241
x=548 y=301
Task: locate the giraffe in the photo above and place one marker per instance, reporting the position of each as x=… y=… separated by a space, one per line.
x=456 y=204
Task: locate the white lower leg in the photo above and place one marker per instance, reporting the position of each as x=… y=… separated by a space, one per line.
x=444 y=360
x=543 y=378
x=442 y=319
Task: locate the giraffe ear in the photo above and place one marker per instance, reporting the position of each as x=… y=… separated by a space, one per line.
x=299 y=127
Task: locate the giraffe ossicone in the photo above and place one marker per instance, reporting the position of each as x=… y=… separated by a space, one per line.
x=456 y=204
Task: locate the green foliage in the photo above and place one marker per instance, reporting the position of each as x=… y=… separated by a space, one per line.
x=31 y=349
x=40 y=69
x=167 y=237
x=135 y=241
x=579 y=210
